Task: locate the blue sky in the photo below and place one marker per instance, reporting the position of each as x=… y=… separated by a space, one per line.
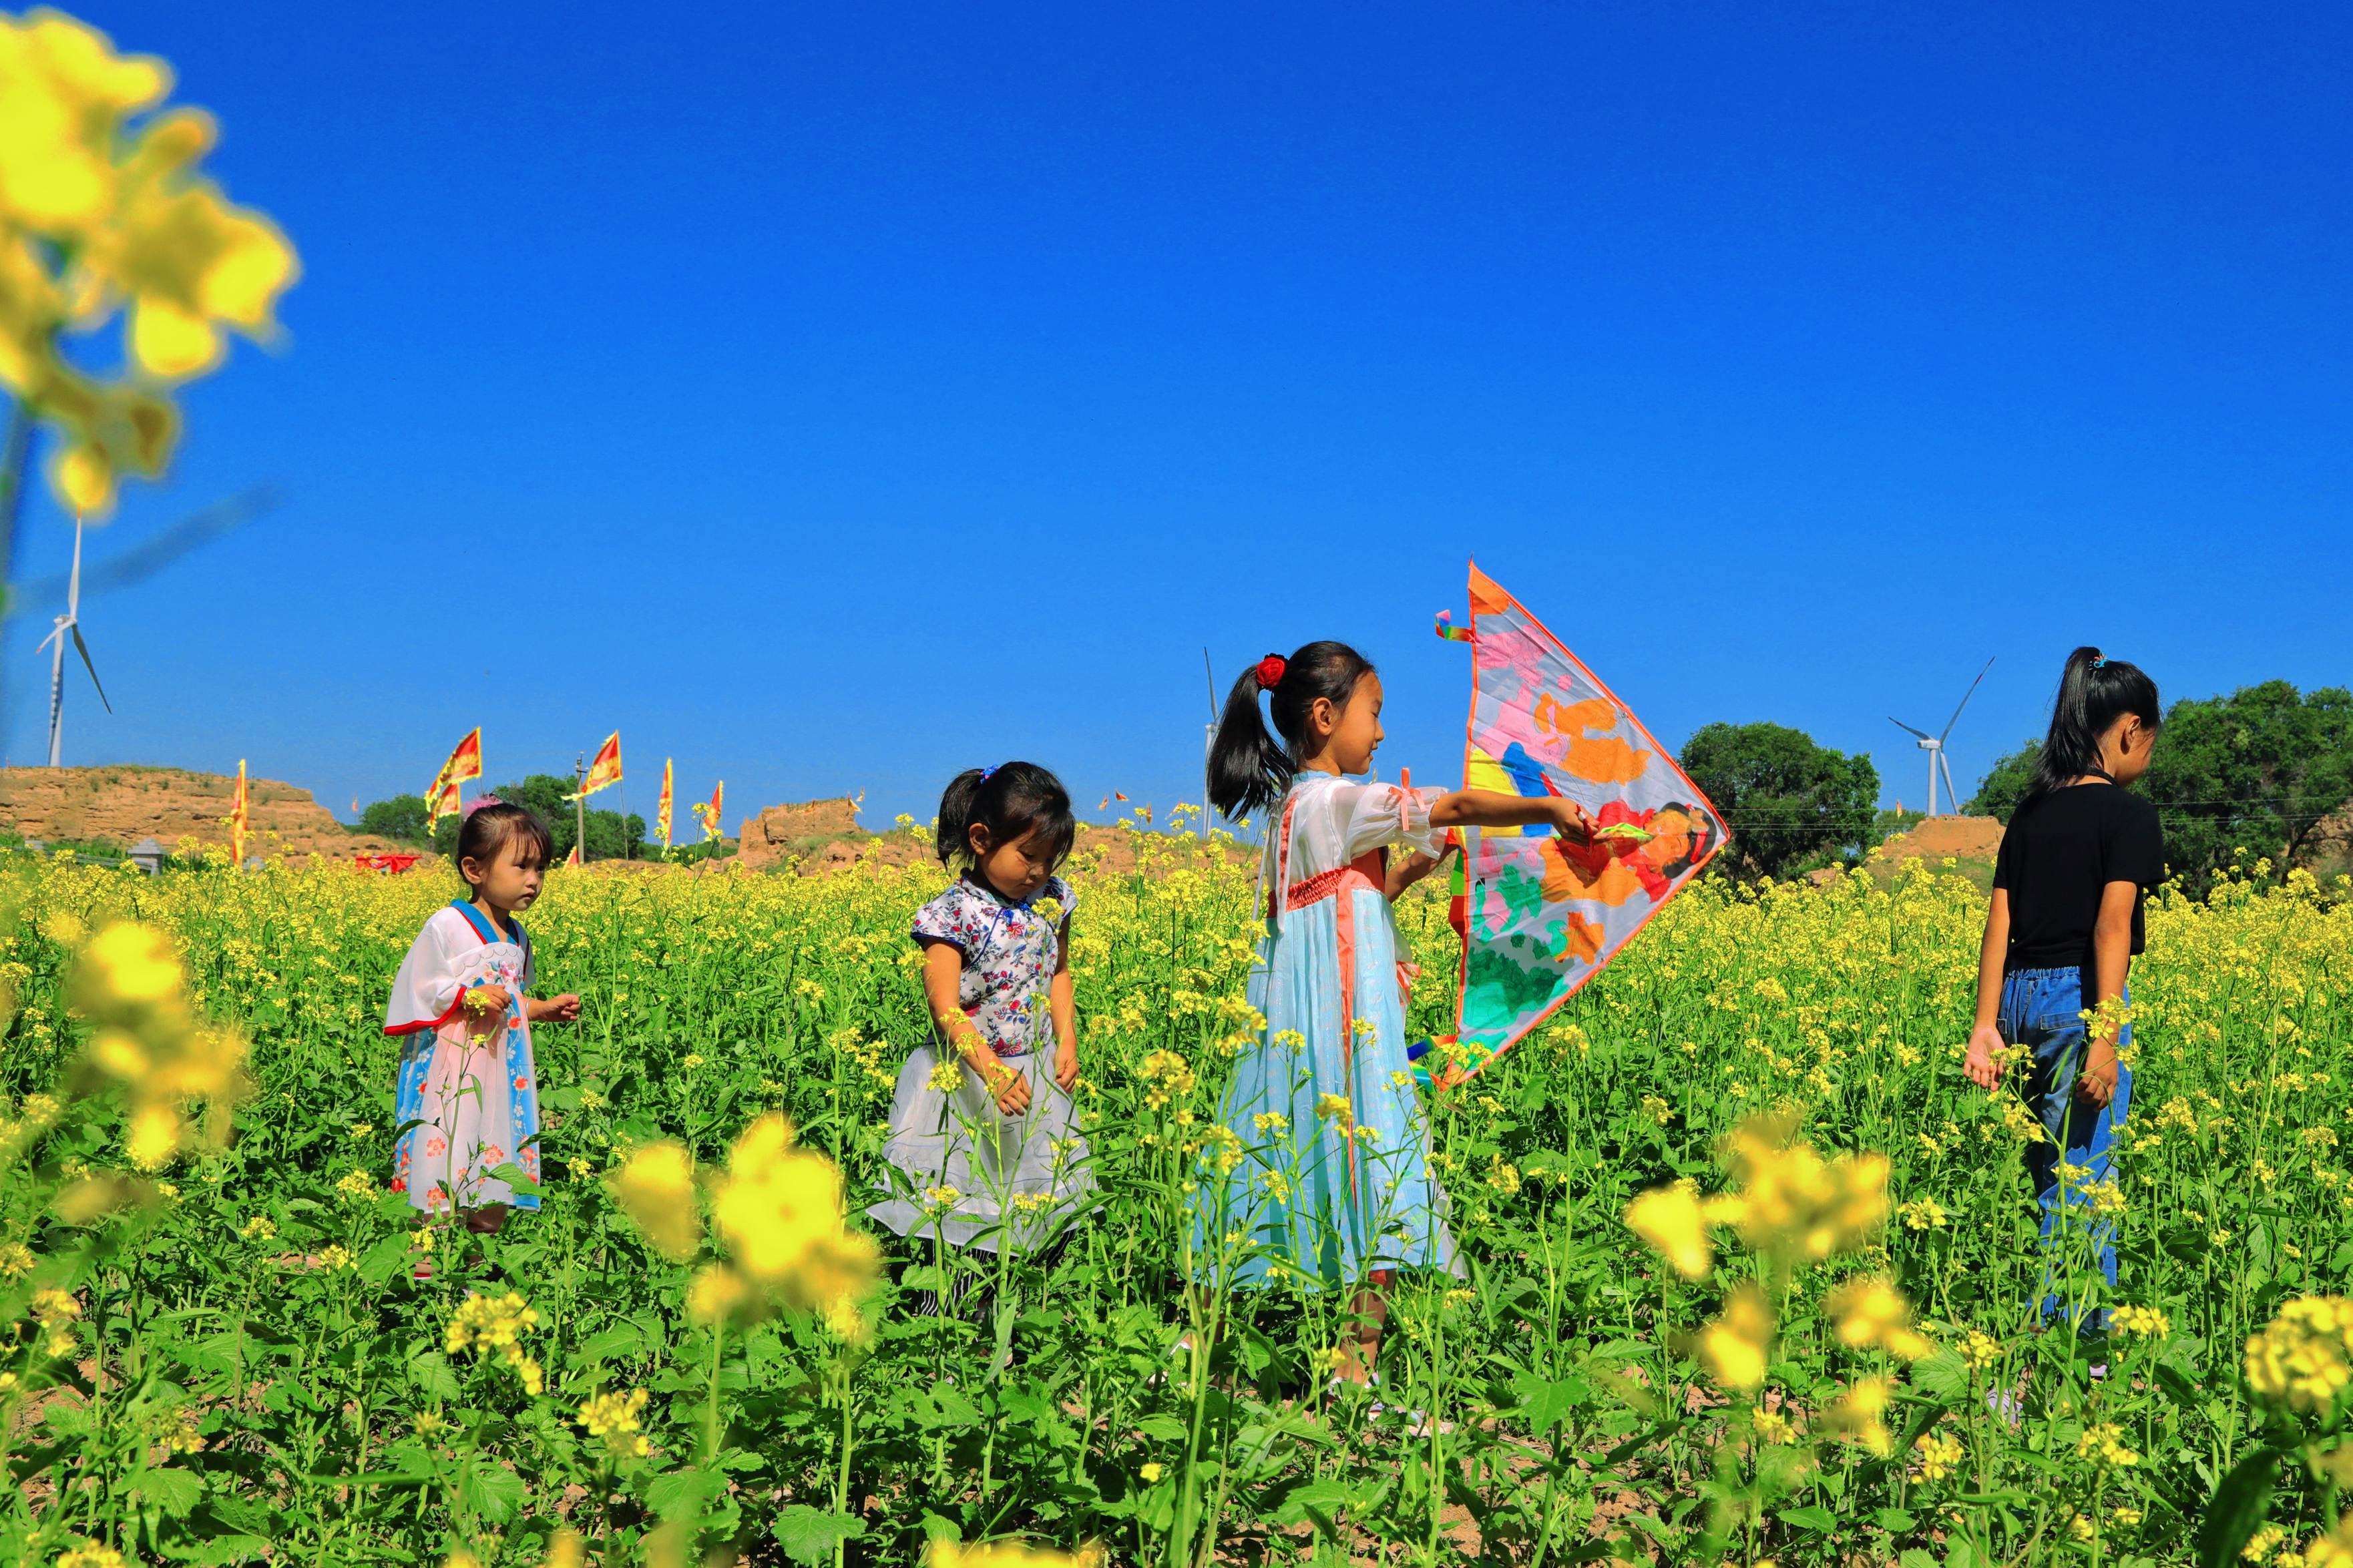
x=831 y=398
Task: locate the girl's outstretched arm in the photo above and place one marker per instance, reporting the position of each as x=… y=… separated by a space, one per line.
x=942 y=983
x=1986 y=1044
x=1490 y=808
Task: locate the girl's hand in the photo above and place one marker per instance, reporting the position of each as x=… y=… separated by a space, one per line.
x=564 y=1009
x=1066 y=1065
x=1987 y=1049
x=1011 y=1088
x=2096 y=1084
x=1571 y=819
x=485 y=1008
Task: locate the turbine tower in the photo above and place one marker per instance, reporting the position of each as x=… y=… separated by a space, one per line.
x=67 y=625
x=1935 y=746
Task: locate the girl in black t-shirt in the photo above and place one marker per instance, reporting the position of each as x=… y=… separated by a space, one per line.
x=2060 y=936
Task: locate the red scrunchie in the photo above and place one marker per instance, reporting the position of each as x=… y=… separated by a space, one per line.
x=1270 y=672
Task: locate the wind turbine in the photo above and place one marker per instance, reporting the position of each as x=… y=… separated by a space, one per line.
x=1935 y=746
x=69 y=623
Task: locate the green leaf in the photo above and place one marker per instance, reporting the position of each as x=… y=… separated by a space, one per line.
x=385 y=1259
x=433 y=1374
x=173 y=1491
x=680 y=1492
x=613 y=1343
x=495 y=1490
x=812 y=1535
x=2237 y=1508
x=1312 y=1501
x=1810 y=1518
x=1912 y=1557
x=1547 y=1404
x=1894 y=1521
x=1945 y=1375
x=1163 y=1428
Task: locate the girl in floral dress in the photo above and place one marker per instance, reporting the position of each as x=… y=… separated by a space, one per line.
x=983 y=1125
x=467 y=1100
x=1331 y=1186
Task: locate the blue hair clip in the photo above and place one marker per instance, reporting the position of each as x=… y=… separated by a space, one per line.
x=2099 y=661
x=986 y=770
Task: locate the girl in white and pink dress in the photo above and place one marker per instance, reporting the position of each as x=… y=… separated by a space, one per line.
x=467 y=1101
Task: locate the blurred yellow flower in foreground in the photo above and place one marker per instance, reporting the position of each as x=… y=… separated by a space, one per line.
x=780 y=1210
x=1735 y=1346
x=99 y=215
x=1006 y=1554
x=1792 y=1206
x=1671 y=1219
x=655 y=1187
x=129 y=983
x=2304 y=1357
x=1871 y=1314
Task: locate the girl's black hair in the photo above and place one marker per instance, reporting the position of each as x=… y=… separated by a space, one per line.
x=2095 y=691
x=1248 y=770
x=1011 y=800
x=489 y=829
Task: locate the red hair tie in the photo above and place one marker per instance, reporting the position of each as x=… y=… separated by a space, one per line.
x=1270 y=672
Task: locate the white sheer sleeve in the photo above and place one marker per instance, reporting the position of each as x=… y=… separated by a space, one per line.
x=1371 y=816
x=425 y=992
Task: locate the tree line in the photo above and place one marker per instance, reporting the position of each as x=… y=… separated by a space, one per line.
x=2262 y=774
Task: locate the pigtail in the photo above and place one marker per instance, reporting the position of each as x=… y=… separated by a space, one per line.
x=959 y=808
x=1249 y=770
x=2095 y=691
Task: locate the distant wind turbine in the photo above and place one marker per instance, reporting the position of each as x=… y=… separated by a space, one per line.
x=1935 y=746
x=67 y=625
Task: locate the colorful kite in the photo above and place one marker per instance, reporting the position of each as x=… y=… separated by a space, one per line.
x=1539 y=913
x=661 y=808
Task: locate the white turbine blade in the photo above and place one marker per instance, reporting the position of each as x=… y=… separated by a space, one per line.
x=1972 y=691
x=1902 y=725
x=82 y=648
x=1952 y=795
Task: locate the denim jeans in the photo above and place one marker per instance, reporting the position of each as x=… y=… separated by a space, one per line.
x=2043 y=1010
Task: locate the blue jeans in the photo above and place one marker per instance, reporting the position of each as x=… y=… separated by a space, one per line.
x=2041 y=1009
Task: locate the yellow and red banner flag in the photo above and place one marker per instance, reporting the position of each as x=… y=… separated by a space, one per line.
x=662 y=809
x=605 y=770
x=241 y=821
x=708 y=814
x=443 y=797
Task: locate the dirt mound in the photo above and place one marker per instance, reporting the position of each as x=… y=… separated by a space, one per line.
x=125 y=804
x=798 y=830
x=1962 y=837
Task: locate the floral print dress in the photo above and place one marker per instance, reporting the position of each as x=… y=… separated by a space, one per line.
x=468 y=1096
x=974 y=1176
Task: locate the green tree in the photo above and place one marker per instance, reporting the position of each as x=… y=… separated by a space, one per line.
x=1790 y=800
x=609 y=834
x=2253 y=772
x=402 y=817
x=2005 y=784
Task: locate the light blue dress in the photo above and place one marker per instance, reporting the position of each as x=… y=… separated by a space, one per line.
x=1325 y=1199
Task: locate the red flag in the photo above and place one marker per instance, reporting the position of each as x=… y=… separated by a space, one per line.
x=239 y=817
x=708 y=814
x=442 y=796
x=662 y=809
x=605 y=770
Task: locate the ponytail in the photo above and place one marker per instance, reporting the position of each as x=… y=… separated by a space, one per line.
x=1012 y=800
x=1249 y=769
x=2095 y=691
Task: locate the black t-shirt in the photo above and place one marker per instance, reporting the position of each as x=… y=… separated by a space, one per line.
x=2056 y=861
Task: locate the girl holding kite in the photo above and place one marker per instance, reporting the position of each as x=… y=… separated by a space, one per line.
x=1333 y=1188
x=468 y=1095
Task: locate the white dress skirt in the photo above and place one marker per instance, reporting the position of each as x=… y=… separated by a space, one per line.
x=1018 y=1179
x=960 y=1169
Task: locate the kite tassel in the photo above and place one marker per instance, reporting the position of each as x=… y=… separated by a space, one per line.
x=1450 y=631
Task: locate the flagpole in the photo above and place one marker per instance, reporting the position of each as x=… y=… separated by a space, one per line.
x=580 y=804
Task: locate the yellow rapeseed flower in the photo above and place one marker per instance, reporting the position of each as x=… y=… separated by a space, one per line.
x=655 y=1187
x=1940 y=1455
x=1871 y=1314
x=2303 y=1358
x=1735 y=1346
x=1671 y=1219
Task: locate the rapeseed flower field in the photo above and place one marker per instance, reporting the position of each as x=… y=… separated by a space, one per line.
x=1750 y=1273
